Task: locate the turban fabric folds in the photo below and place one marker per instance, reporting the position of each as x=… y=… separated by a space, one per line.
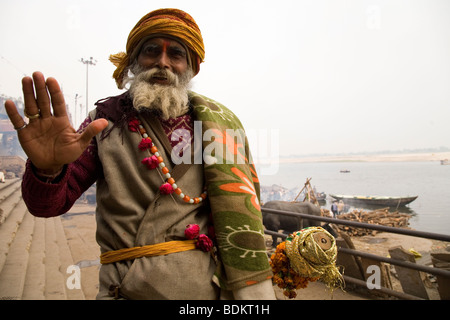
x=174 y=23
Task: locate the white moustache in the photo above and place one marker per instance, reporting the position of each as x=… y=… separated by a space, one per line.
x=159 y=75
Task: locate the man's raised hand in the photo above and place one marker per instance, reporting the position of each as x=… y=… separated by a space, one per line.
x=48 y=139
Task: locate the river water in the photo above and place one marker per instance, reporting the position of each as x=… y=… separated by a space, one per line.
x=430 y=181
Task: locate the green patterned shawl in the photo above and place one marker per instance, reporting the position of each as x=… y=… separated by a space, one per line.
x=233 y=191
x=232 y=185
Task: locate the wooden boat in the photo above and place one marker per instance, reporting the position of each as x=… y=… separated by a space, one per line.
x=375 y=200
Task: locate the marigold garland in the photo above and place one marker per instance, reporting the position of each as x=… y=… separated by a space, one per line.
x=284 y=276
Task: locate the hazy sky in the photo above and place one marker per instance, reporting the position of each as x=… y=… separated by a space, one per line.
x=311 y=76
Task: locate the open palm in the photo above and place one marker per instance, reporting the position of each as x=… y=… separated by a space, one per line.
x=48 y=139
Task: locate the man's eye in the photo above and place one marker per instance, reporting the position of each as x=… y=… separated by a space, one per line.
x=152 y=50
x=177 y=53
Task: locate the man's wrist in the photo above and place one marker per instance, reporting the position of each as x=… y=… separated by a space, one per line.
x=48 y=175
x=49 y=172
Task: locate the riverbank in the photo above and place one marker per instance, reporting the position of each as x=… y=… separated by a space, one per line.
x=39 y=258
x=80 y=226
x=403 y=157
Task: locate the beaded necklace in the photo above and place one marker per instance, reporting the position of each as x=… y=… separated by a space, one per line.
x=155 y=160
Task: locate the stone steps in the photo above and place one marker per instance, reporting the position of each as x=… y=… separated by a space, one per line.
x=34 y=287
x=36 y=261
x=12 y=276
x=10 y=196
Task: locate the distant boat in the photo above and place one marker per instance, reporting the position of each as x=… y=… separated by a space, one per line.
x=445 y=162
x=375 y=200
x=345 y=171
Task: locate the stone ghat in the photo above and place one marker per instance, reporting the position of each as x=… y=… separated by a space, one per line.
x=44 y=258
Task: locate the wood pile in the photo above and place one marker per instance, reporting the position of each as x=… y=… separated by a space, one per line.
x=379 y=216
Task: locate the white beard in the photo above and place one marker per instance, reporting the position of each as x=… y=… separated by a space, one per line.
x=169 y=101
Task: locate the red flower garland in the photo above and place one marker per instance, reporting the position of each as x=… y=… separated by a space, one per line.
x=151 y=162
x=166 y=188
x=146 y=143
x=133 y=125
x=192 y=231
x=203 y=243
x=155 y=160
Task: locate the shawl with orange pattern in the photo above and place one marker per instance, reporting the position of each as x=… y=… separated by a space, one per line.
x=233 y=191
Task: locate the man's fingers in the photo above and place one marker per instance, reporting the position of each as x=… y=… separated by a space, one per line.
x=37 y=99
x=29 y=98
x=94 y=128
x=42 y=98
x=16 y=119
x=57 y=98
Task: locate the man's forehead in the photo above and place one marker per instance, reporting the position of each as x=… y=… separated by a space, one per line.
x=164 y=41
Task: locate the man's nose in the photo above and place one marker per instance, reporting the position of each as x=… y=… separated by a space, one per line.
x=163 y=61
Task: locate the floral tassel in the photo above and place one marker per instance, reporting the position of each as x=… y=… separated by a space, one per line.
x=133 y=125
x=166 y=188
x=204 y=243
x=192 y=231
x=146 y=143
x=151 y=162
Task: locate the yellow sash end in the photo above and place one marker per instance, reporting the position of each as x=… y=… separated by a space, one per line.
x=152 y=250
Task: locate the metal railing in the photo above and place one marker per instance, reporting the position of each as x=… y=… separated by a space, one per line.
x=401 y=263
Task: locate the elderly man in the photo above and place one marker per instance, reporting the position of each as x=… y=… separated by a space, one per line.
x=159 y=220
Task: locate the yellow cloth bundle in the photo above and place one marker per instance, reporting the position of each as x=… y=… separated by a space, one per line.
x=163 y=22
x=312 y=253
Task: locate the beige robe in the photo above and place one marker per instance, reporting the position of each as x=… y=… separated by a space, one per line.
x=131 y=212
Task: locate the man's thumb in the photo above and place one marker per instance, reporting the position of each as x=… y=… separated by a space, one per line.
x=94 y=128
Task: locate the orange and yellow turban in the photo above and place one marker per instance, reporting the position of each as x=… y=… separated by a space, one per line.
x=163 y=22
